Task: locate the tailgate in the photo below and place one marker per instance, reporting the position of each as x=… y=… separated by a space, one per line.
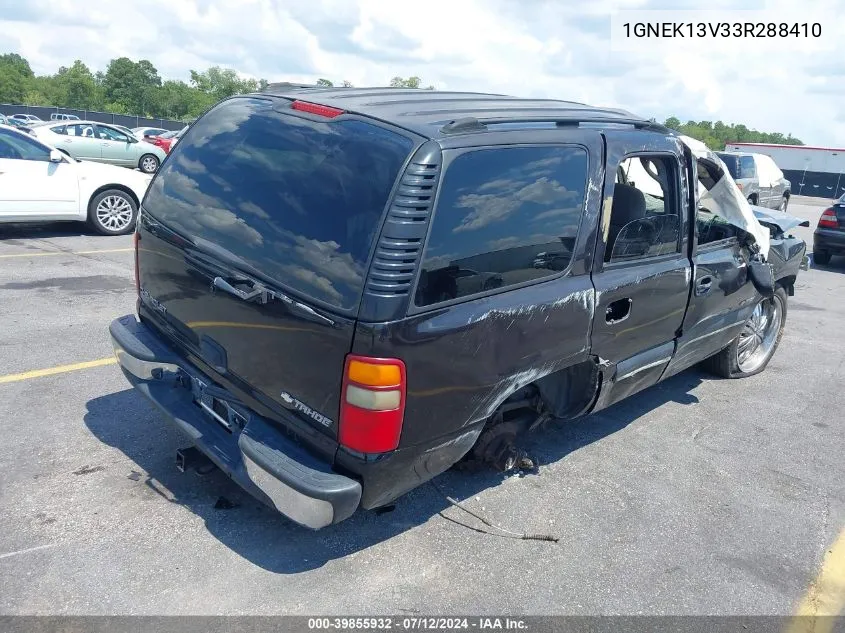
x=254 y=241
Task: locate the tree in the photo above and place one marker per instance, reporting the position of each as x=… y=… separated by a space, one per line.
x=15 y=76
x=131 y=84
x=324 y=83
x=77 y=87
x=219 y=83
x=717 y=135
x=347 y=84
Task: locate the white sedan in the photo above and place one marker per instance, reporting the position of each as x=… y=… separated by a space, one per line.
x=40 y=183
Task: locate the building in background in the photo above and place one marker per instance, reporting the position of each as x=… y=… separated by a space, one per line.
x=813 y=171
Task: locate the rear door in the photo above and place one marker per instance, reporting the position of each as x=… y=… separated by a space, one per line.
x=254 y=242
x=80 y=141
x=642 y=270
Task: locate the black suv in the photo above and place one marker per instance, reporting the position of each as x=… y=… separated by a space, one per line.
x=341 y=293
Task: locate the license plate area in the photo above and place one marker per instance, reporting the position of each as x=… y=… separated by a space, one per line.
x=217 y=408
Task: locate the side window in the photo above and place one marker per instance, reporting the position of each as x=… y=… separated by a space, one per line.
x=22 y=148
x=81 y=129
x=504 y=216
x=746 y=167
x=644 y=219
x=59 y=129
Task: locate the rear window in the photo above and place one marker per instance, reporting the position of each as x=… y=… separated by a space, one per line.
x=296 y=198
x=504 y=217
x=732 y=163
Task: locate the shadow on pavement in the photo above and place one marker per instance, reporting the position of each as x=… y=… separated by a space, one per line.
x=43 y=230
x=124 y=420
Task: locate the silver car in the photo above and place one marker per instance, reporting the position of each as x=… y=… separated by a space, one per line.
x=102 y=143
x=758 y=178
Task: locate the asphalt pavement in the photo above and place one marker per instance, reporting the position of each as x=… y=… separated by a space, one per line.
x=697 y=496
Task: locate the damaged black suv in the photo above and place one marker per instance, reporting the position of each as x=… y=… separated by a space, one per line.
x=341 y=293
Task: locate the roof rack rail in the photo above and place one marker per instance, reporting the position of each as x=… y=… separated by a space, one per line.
x=473 y=124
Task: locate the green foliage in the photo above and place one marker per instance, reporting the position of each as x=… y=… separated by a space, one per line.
x=135 y=88
x=717 y=135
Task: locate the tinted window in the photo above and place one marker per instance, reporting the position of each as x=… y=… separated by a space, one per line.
x=59 y=129
x=746 y=167
x=731 y=162
x=644 y=217
x=17 y=146
x=299 y=199
x=504 y=216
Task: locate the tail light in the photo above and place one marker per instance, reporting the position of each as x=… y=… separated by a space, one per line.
x=315 y=108
x=372 y=404
x=829 y=219
x=136 y=239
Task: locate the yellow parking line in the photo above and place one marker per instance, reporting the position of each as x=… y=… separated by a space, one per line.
x=826 y=596
x=61 y=369
x=45 y=253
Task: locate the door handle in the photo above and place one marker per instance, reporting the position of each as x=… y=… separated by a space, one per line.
x=617 y=311
x=703 y=286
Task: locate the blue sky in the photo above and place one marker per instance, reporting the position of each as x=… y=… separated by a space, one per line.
x=524 y=47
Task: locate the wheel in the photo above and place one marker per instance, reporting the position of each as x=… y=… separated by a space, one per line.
x=821 y=257
x=112 y=212
x=784 y=202
x=751 y=351
x=148 y=164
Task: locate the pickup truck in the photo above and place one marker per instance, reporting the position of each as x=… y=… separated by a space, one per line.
x=343 y=293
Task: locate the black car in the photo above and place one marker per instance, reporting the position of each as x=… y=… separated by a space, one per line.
x=339 y=294
x=829 y=236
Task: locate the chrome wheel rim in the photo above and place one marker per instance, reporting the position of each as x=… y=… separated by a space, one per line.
x=114 y=213
x=759 y=335
x=149 y=164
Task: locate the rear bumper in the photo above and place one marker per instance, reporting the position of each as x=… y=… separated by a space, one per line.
x=258 y=456
x=829 y=240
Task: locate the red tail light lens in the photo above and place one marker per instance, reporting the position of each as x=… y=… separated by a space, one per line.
x=829 y=219
x=136 y=239
x=372 y=404
x=315 y=108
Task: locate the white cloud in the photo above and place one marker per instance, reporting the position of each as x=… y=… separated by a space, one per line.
x=525 y=47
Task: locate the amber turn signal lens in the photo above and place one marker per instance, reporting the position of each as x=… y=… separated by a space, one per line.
x=374 y=375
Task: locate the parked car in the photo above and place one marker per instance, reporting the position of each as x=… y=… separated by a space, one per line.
x=759 y=179
x=39 y=183
x=290 y=257
x=142 y=133
x=164 y=141
x=102 y=143
x=25 y=118
x=829 y=236
x=18 y=123
x=58 y=116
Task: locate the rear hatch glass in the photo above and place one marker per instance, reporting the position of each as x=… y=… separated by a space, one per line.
x=254 y=241
x=732 y=163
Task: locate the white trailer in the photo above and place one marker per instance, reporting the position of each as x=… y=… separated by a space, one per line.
x=813 y=171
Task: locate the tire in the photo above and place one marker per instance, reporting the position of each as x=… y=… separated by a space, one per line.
x=727 y=363
x=148 y=164
x=784 y=202
x=821 y=257
x=112 y=212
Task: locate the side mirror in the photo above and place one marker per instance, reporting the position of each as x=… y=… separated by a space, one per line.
x=56 y=156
